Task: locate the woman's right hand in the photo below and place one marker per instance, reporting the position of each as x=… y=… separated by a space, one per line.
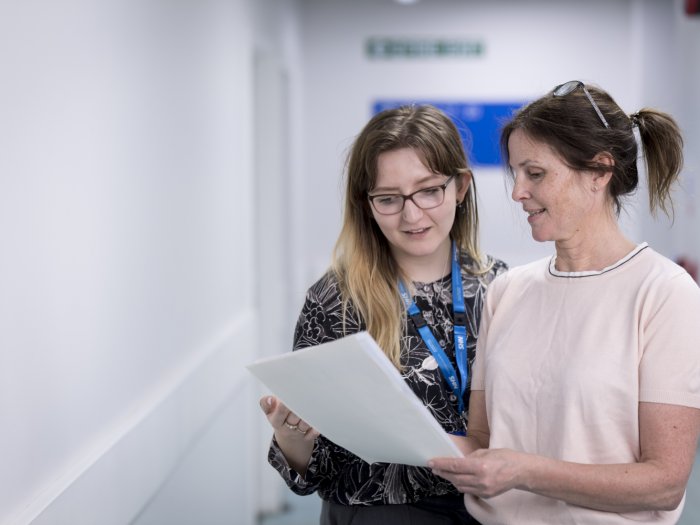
x=294 y=436
x=284 y=422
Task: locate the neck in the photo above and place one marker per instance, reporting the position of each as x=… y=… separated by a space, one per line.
x=428 y=268
x=594 y=253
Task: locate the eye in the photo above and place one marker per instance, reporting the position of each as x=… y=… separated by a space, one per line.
x=535 y=175
x=431 y=191
x=386 y=199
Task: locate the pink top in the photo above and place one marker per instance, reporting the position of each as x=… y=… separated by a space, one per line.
x=564 y=360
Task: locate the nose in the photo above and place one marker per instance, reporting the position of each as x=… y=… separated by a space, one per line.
x=520 y=190
x=411 y=211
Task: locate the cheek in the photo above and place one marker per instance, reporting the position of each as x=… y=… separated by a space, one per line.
x=385 y=222
x=571 y=206
x=446 y=216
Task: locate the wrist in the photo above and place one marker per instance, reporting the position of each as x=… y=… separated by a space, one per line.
x=526 y=471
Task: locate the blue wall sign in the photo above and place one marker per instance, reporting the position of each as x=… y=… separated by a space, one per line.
x=478 y=124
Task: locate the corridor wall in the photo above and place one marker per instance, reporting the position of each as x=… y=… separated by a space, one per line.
x=128 y=270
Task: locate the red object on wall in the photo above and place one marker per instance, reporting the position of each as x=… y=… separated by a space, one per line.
x=692 y=7
x=690 y=266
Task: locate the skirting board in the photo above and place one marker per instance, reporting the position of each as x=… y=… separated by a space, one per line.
x=116 y=479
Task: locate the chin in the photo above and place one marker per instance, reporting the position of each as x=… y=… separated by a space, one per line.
x=540 y=237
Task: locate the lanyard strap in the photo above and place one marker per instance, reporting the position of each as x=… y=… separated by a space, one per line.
x=458 y=385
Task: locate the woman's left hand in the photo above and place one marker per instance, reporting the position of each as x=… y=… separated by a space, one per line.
x=484 y=473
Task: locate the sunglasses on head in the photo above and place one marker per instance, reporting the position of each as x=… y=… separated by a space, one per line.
x=567 y=87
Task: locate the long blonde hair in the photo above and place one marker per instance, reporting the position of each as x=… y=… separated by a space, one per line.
x=362 y=260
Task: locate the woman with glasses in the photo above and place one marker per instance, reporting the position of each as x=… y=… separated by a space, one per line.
x=406 y=268
x=586 y=385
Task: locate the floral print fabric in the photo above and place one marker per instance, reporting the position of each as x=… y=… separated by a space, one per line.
x=337 y=474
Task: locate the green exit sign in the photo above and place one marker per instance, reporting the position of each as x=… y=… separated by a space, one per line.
x=423 y=48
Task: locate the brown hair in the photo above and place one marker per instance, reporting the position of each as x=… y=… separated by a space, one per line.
x=571 y=127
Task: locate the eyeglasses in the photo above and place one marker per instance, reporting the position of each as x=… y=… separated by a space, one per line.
x=566 y=88
x=425 y=199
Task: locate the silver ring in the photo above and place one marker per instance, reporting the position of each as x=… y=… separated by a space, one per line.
x=301 y=431
x=291 y=427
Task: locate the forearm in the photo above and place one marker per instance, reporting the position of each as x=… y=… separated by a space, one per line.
x=466 y=444
x=613 y=488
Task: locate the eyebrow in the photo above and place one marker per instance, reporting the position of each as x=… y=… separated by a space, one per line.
x=395 y=189
x=526 y=163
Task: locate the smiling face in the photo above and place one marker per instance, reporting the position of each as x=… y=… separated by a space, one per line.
x=559 y=201
x=418 y=238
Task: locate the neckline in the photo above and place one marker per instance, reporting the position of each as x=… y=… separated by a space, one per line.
x=591 y=273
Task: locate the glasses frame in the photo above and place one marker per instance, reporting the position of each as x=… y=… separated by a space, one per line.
x=408 y=197
x=572 y=85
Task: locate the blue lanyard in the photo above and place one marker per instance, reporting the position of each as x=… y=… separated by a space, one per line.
x=457 y=384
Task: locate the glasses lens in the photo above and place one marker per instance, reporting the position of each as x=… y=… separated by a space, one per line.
x=388 y=204
x=429 y=197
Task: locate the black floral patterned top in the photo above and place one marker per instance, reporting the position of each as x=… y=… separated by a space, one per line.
x=337 y=474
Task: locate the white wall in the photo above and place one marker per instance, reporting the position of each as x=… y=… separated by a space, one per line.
x=689 y=48
x=665 y=66
x=530 y=46
x=276 y=78
x=667 y=45
x=127 y=268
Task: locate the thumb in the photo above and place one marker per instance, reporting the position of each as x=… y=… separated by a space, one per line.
x=267 y=403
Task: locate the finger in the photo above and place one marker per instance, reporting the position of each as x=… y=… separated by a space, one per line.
x=447 y=465
x=267 y=404
x=293 y=419
x=278 y=414
x=303 y=426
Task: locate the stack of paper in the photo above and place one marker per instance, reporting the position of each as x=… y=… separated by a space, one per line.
x=351 y=393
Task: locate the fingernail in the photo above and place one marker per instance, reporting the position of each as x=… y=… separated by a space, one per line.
x=269 y=401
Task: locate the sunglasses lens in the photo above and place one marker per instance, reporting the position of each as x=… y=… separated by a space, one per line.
x=566 y=88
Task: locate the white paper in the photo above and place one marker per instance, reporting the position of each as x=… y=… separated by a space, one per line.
x=351 y=393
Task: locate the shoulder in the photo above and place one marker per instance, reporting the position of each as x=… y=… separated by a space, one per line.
x=323 y=316
x=485 y=272
x=661 y=266
x=496 y=267
x=520 y=276
x=326 y=288
x=663 y=278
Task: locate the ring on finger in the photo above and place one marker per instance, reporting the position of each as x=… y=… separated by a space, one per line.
x=291 y=427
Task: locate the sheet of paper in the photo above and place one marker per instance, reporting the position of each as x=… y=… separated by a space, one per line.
x=352 y=394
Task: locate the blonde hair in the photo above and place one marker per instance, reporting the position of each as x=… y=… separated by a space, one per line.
x=362 y=261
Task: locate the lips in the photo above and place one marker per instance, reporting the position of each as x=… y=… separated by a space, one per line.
x=416 y=231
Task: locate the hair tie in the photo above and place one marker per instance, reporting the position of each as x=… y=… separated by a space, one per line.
x=634 y=117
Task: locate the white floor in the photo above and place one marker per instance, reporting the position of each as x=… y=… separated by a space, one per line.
x=304 y=510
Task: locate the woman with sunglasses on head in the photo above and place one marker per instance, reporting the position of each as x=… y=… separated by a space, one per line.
x=407 y=257
x=586 y=385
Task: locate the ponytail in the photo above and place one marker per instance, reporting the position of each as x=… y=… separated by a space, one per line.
x=662 y=143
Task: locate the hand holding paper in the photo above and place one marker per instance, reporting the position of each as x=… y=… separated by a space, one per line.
x=351 y=393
